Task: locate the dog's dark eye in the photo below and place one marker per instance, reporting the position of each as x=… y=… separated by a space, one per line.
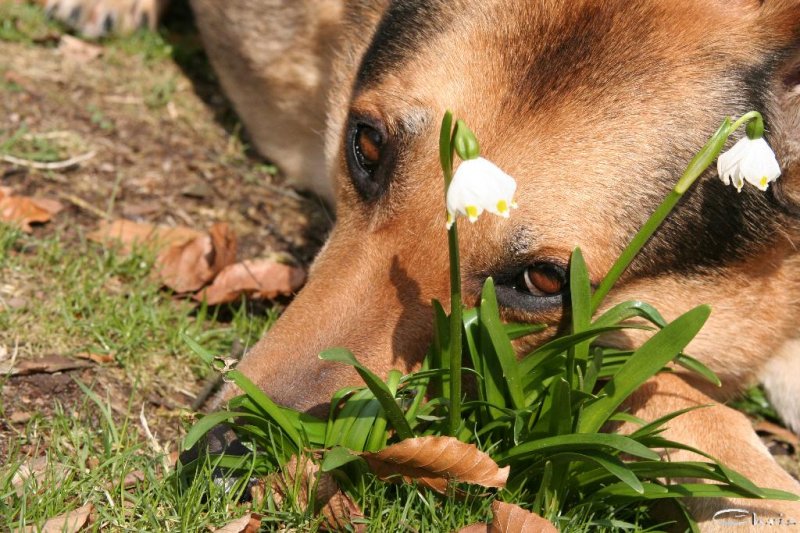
x=369 y=157
x=540 y=287
x=544 y=279
x=367 y=144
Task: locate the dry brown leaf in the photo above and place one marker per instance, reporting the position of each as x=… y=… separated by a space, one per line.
x=435 y=461
x=256 y=278
x=69 y=522
x=24 y=211
x=509 y=518
x=301 y=478
x=187 y=259
x=129 y=234
x=249 y=523
x=99 y=358
x=190 y=266
x=185 y=267
x=48 y=364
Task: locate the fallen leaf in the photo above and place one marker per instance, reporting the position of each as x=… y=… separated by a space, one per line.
x=256 y=278
x=187 y=259
x=78 y=50
x=302 y=478
x=129 y=234
x=249 y=523
x=185 y=267
x=49 y=364
x=508 y=517
x=20 y=417
x=435 y=461
x=224 y=244
x=69 y=522
x=100 y=358
x=24 y=211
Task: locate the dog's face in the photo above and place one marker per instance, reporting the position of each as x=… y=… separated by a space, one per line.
x=595 y=108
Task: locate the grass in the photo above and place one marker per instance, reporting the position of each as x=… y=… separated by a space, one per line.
x=83 y=298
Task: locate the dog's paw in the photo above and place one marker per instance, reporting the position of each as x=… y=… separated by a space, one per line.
x=96 y=18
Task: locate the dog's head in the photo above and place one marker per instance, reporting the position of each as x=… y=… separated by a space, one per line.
x=595 y=107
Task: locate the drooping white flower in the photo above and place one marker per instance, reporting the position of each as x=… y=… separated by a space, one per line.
x=479 y=185
x=750 y=160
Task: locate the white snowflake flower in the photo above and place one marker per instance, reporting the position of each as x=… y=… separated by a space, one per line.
x=750 y=160
x=479 y=185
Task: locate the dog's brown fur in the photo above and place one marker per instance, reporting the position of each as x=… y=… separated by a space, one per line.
x=595 y=107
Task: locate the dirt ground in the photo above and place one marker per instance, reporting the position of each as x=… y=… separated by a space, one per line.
x=166 y=149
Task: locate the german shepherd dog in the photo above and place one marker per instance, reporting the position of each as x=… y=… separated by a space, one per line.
x=595 y=107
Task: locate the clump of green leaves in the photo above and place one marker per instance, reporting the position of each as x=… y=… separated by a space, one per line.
x=541 y=414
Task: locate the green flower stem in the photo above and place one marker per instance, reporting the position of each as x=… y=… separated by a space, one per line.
x=694 y=170
x=446 y=158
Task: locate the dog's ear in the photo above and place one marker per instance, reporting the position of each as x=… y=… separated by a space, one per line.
x=778 y=26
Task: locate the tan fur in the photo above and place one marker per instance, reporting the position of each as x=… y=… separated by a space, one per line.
x=593 y=148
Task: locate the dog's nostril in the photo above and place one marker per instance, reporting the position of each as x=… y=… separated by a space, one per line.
x=52 y=8
x=144 y=21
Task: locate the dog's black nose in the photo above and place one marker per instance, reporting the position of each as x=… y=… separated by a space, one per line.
x=220 y=440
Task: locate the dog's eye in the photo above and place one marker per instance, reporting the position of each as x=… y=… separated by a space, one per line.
x=367 y=147
x=539 y=287
x=368 y=157
x=544 y=279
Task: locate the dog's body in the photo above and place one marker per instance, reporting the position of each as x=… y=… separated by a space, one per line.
x=595 y=107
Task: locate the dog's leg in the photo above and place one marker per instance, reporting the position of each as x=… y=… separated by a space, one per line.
x=95 y=18
x=780 y=377
x=273 y=59
x=727 y=435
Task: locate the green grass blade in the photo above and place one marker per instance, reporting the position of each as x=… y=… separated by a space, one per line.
x=643 y=364
x=578 y=442
x=378 y=388
x=506 y=357
x=580 y=290
x=338 y=457
x=377 y=434
x=266 y=404
x=631 y=309
x=560 y=345
x=611 y=464
x=204 y=425
x=690 y=363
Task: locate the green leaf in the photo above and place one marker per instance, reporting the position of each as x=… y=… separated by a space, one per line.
x=267 y=406
x=204 y=425
x=193 y=345
x=500 y=344
x=643 y=364
x=560 y=345
x=580 y=290
x=690 y=363
x=607 y=462
x=654 y=491
x=631 y=309
x=338 y=457
x=377 y=434
x=561 y=411
x=350 y=410
x=378 y=388
x=578 y=442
